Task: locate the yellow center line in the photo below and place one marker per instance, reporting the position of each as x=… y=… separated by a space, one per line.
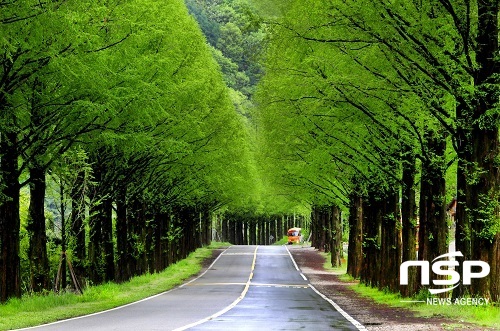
x=247 y=286
x=231 y=306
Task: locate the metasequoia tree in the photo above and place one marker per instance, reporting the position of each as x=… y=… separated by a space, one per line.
x=43 y=113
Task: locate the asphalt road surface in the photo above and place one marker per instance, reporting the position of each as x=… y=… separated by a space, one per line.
x=246 y=288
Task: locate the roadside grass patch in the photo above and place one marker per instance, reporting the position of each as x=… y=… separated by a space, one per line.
x=31 y=310
x=337 y=270
x=488 y=316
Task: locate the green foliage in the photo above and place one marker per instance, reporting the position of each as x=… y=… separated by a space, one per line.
x=337 y=103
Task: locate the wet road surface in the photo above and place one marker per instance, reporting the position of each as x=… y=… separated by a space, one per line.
x=247 y=288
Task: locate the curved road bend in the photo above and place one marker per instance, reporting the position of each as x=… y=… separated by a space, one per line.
x=247 y=288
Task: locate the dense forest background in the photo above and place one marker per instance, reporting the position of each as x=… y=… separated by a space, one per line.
x=133 y=133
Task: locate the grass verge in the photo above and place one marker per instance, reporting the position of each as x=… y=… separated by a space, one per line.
x=35 y=310
x=487 y=316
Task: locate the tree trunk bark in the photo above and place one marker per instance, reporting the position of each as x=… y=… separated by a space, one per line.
x=482 y=202
x=122 y=245
x=390 y=243
x=336 y=245
x=225 y=228
x=63 y=235
x=97 y=220
x=107 y=239
x=10 y=280
x=158 y=241
x=77 y=227
x=206 y=217
x=279 y=230
x=37 y=252
x=315 y=216
x=252 y=231
x=232 y=229
x=409 y=222
x=355 y=248
x=478 y=149
x=483 y=193
x=372 y=224
x=433 y=227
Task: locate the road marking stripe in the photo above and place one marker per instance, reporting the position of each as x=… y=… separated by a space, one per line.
x=291 y=257
x=279 y=285
x=354 y=322
x=232 y=305
x=214 y=284
x=351 y=319
x=251 y=284
x=203 y=273
x=295 y=264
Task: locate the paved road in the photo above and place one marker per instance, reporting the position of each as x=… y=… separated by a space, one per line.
x=247 y=288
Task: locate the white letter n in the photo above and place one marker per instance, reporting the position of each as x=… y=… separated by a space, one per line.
x=403 y=271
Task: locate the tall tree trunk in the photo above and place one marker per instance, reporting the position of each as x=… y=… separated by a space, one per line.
x=225 y=228
x=355 y=248
x=232 y=229
x=245 y=230
x=206 y=218
x=63 y=235
x=77 y=227
x=239 y=231
x=95 y=247
x=262 y=233
x=279 y=229
x=315 y=220
x=122 y=241
x=484 y=192
x=106 y=211
x=252 y=224
x=10 y=280
x=273 y=235
x=409 y=221
x=37 y=252
x=433 y=228
x=372 y=224
x=95 y=250
x=390 y=242
x=336 y=240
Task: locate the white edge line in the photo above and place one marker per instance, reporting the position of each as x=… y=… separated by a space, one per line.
x=354 y=322
x=228 y=308
x=351 y=319
x=204 y=272
x=295 y=263
x=123 y=306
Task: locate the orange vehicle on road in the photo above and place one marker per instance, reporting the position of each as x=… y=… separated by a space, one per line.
x=294 y=235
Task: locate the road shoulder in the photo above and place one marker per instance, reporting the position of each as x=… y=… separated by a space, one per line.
x=372 y=315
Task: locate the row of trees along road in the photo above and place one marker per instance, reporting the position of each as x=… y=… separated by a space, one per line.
x=117 y=114
x=388 y=109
